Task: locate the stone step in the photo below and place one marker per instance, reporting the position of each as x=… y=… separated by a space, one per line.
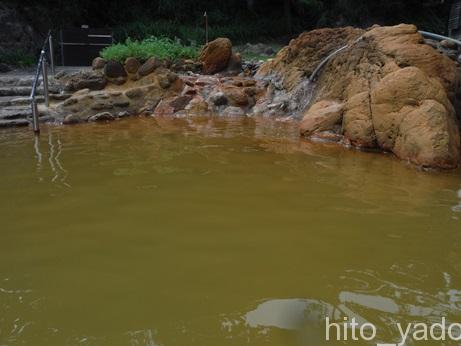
x=16 y=81
x=5 y=101
x=13 y=123
x=25 y=91
x=8 y=101
x=16 y=91
x=24 y=81
x=18 y=112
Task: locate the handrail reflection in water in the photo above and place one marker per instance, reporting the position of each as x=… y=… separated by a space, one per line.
x=54 y=153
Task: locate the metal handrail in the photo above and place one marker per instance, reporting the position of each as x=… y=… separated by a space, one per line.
x=42 y=67
x=439 y=37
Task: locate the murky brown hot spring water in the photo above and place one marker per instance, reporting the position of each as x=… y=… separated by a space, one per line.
x=216 y=232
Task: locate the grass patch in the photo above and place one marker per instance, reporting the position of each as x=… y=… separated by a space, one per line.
x=163 y=48
x=17 y=58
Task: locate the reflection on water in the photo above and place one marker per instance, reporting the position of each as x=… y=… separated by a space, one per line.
x=291 y=314
x=457 y=208
x=216 y=232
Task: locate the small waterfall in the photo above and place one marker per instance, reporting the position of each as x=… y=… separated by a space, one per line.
x=330 y=56
x=302 y=97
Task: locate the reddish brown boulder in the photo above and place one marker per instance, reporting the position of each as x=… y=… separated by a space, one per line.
x=323 y=116
x=236 y=96
x=171 y=105
x=132 y=65
x=215 y=55
x=149 y=66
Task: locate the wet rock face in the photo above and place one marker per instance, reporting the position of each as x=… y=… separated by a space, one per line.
x=395 y=91
x=299 y=59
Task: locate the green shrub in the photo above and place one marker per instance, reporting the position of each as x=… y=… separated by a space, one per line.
x=17 y=58
x=239 y=31
x=163 y=48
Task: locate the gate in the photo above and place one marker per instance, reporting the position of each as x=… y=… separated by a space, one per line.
x=80 y=46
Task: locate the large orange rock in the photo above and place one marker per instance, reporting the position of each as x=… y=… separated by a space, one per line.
x=215 y=55
x=323 y=116
x=413 y=118
x=397 y=91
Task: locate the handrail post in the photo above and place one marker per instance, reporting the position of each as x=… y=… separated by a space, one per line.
x=50 y=41
x=45 y=80
x=35 y=123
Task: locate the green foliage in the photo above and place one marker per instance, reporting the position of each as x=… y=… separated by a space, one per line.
x=163 y=48
x=17 y=58
x=246 y=29
x=240 y=20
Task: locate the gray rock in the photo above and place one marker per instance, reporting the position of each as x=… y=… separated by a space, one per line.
x=72 y=119
x=101 y=105
x=104 y=116
x=233 y=112
x=432 y=43
x=452 y=54
x=70 y=101
x=60 y=97
x=98 y=63
x=121 y=103
x=447 y=44
x=234 y=66
x=134 y=93
x=132 y=65
x=219 y=99
x=114 y=69
x=149 y=66
x=123 y=114
x=93 y=80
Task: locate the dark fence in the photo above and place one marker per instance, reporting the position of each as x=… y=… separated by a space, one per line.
x=80 y=46
x=454 y=20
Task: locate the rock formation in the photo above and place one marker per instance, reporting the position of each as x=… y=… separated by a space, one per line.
x=217 y=56
x=112 y=90
x=388 y=90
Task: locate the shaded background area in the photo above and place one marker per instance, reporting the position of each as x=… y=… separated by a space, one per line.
x=22 y=23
